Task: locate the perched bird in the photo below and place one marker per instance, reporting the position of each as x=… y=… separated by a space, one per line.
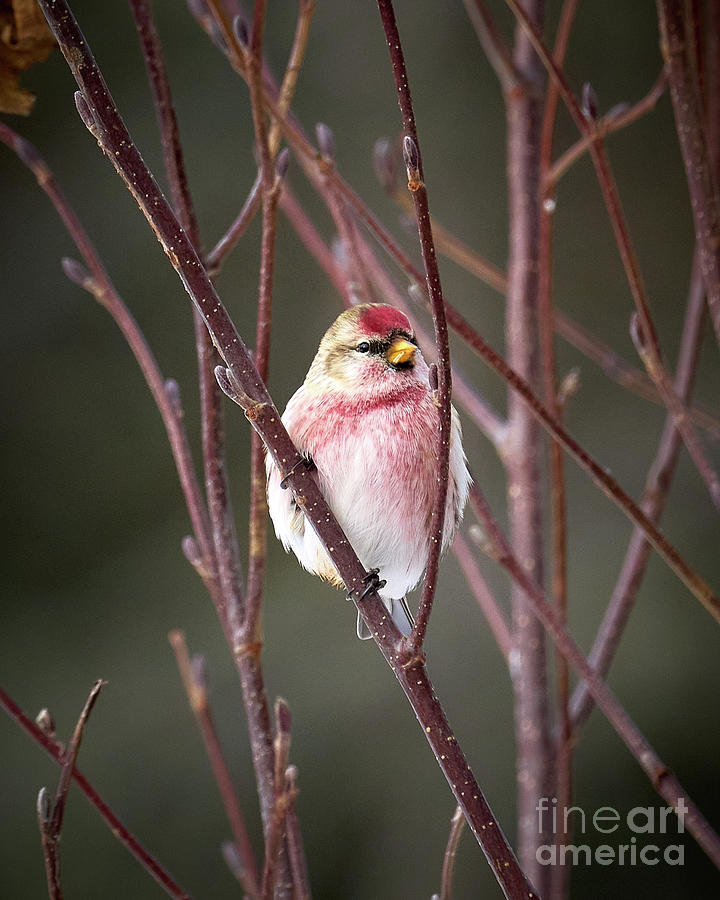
x=365 y=419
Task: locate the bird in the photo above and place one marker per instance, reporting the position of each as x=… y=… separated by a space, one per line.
x=365 y=420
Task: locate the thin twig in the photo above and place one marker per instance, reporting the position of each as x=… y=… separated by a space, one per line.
x=657 y=486
x=416 y=185
x=494 y=616
x=50 y=847
x=196 y=689
x=559 y=875
x=165 y=393
x=494 y=46
x=50 y=818
x=675 y=44
x=118 y=830
x=306 y=8
x=295 y=849
x=309 y=235
x=229 y=601
x=225 y=557
x=355 y=288
x=613 y=121
x=216 y=257
x=457 y=823
x=271 y=184
x=284 y=795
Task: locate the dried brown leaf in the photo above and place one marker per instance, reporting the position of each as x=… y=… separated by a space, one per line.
x=24 y=40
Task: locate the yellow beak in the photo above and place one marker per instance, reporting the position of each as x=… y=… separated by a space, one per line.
x=400 y=351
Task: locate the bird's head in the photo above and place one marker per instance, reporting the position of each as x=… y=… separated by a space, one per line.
x=371 y=348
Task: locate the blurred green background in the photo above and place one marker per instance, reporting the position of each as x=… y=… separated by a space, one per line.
x=93 y=578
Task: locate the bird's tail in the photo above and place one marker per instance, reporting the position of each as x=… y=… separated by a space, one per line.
x=401 y=616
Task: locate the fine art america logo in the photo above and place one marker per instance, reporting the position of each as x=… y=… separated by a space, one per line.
x=633 y=835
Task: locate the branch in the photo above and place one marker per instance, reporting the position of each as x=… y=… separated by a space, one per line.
x=613 y=121
x=416 y=185
x=118 y=830
x=686 y=101
x=285 y=792
x=523 y=455
x=270 y=187
x=166 y=393
x=50 y=819
x=194 y=682
x=494 y=47
x=494 y=616
x=216 y=257
x=457 y=823
x=229 y=601
x=657 y=486
x=559 y=875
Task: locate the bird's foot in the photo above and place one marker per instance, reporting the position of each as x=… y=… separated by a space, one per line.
x=305 y=460
x=372 y=582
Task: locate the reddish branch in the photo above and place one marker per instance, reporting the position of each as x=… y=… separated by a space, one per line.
x=126 y=837
x=559 y=876
x=678 y=38
x=97 y=282
x=194 y=682
x=50 y=817
x=228 y=599
x=457 y=823
x=657 y=486
x=522 y=453
x=416 y=185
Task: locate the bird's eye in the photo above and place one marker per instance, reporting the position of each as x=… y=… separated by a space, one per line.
x=363 y=347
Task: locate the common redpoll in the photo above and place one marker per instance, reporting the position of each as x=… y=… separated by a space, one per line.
x=366 y=420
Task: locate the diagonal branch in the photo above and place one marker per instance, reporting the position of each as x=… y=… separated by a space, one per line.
x=657 y=486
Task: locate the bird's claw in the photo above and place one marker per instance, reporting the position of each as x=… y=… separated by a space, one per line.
x=306 y=461
x=373 y=582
